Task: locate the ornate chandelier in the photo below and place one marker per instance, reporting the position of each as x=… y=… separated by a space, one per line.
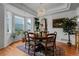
x=41 y=10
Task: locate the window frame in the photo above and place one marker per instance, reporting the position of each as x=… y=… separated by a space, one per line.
x=15 y=21
x=9 y=25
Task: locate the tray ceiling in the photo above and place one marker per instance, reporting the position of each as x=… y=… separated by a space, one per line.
x=49 y=7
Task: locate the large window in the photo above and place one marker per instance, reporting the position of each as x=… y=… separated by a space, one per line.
x=19 y=24
x=9 y=22
x=29 y=24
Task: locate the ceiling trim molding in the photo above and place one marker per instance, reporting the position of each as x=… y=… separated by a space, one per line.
x=62 y=8
x=24 y=8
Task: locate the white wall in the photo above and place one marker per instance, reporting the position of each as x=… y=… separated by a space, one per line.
x=1 y=26
x=60 y=33
x=77 y=11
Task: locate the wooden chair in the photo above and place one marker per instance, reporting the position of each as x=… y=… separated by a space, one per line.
x=25 y=39
x=50 y=43
x=31 y=42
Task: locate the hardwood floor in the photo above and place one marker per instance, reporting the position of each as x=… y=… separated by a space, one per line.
x=69 y=51
x=11 y=50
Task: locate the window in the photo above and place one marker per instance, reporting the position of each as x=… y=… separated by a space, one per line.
x=9 y=22
x=19 y=24
x=29 y=24
x=78 y=20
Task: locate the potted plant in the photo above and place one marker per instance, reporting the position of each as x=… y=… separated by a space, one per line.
x=69 y=26
x=37 y=23
x=13 y=35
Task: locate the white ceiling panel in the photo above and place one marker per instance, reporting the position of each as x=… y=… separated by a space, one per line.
x=49 y=7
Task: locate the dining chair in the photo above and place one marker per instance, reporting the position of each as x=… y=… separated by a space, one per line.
x=25 y=39
x=50 y=43
x=31 y=42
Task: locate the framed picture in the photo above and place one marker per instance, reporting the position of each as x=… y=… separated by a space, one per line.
x=57 y=23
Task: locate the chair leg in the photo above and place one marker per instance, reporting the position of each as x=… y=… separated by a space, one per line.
x=34 y=53
x=46 y=51
x=28 y=47
x=53 y=51
x=34 y=48
x=25 y=45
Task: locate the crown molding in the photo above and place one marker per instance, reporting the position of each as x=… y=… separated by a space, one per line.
x=60 y=9
x=25 y=8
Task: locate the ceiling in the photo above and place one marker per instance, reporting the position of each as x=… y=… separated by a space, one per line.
x=50 y=8
x=47 y=6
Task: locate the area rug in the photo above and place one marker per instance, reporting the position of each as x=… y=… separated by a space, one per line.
x=58 y=51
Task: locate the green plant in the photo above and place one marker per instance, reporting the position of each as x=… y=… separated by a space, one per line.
x=24 y=32
x=13 y=35
x=69 y=25
x=18 y=32
x=37 y=23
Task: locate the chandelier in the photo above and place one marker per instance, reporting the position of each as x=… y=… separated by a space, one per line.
x=41 y=10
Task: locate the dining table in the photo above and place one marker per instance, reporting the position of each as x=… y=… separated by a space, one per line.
x=39 y=38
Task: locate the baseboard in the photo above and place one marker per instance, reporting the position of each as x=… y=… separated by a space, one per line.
x=15 y=42
x=65 y=43
x=10 y=44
